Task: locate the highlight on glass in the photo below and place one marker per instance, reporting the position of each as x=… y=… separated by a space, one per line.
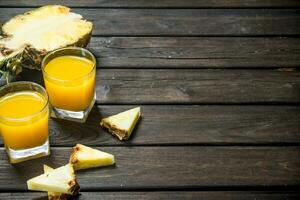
x=24 y=115
x=69 y=75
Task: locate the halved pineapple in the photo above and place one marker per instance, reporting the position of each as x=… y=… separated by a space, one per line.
x=55 y=195
x=60 y=180
x=84 y=157
x=30 y=36
x=122 y=124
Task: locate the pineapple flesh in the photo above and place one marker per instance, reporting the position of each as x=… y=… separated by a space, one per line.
x=60 y=180
x=84 y=157
x=55 y=195
x=27 y=38
x=122 y=124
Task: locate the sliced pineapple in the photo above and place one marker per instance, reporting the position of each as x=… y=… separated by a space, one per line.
x=55 y=195
x=30 y=36
x=61 y=180
x=84 y=157
x=122 y=124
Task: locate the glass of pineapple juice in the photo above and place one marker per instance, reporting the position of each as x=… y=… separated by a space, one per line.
x=24 y=114
x=69 y=75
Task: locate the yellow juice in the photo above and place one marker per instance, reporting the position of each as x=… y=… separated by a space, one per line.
x=24 y=119
x=70 y=82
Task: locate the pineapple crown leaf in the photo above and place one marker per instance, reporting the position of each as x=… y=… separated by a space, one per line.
x=12 y=66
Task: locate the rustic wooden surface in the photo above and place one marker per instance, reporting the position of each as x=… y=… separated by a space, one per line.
x=219 y=88
x=212 y=195
x=156 y=3
x=196 y=52
x=171 y=168
x=201 y=125
x=182 y=22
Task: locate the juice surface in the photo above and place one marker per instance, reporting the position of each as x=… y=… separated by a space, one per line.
x=21 y=104
x=32 y=130
x=70 y=82
x=68 y=67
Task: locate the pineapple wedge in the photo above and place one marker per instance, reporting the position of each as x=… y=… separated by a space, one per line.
x=55 y=195
x=27 y=38
x=60 y=180
x=122 y=124
x=84 y=157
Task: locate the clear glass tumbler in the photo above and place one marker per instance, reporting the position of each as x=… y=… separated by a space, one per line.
x=69 y=75
x=24 y=114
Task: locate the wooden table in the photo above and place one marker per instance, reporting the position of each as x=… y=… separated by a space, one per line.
x=219 y=92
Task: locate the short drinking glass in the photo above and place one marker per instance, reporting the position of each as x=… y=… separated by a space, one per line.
x=24 y=114
x=69 y=76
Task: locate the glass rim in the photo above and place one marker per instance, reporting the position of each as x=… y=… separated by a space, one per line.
x=64 y=49
x=21 y=119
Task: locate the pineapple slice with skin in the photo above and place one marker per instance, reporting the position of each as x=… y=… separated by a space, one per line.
x=122 y=124
x=61 y=180
x=84 y=157
x=55 y=195
x=27 y=38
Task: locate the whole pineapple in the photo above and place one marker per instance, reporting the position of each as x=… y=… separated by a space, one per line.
x=27 y=38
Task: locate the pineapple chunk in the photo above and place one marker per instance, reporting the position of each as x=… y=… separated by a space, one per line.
x=55 y=195
x=122 y=124
x=84 y=157
x=60 y=180
x=47 y=169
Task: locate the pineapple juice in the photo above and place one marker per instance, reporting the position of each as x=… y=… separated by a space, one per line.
x=70 y=82
x=24 y=119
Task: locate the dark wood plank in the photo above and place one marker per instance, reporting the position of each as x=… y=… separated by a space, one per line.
x=197 y=125
x=196 y=52
x=174 y=195
x=156 y=3
x=186 y=21
x=145 y=168
x=196 y=86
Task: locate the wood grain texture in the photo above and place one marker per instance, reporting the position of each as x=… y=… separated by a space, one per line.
x=196 y=86
x=188 y=125
x=174 y=195
x=192 y=22
x=155 y=3
x=196 y=52
x=168 y=149
x=191 y=86
x=139 y=168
